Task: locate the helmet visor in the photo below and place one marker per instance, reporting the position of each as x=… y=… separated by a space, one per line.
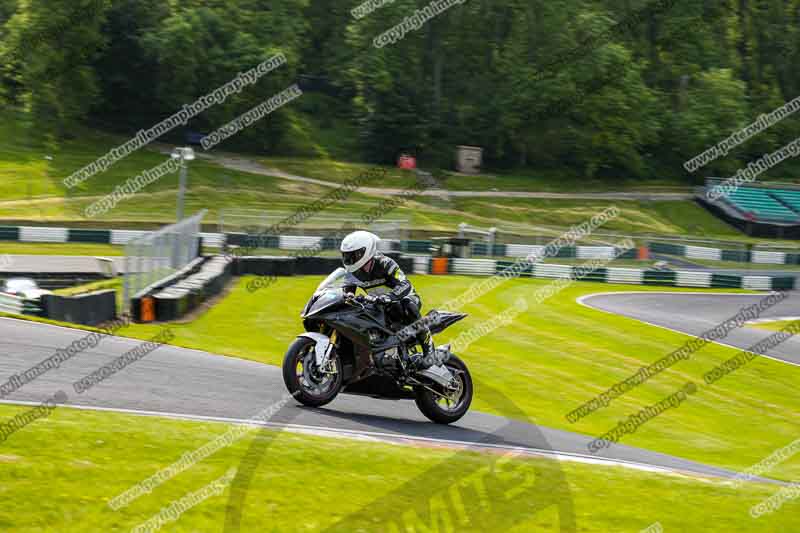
x=351 y=258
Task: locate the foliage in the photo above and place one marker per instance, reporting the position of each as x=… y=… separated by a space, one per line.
x=602 y=88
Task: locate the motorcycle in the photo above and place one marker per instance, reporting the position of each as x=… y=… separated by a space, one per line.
x=352 y=346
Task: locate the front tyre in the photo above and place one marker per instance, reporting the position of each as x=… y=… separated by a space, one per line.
x=309 y=384
x=450 y=405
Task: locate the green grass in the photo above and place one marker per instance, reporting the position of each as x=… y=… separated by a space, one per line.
x=338 y=171
x=72 y=248
x=549 y=361
x=59 y=473
x=526 y=215
x=528 y=180
x=26 y=174
x=559 y=181
x=31 y=189
x=108 y=284
x=638 y=217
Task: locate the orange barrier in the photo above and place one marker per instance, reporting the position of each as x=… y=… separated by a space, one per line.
x=644 y=253
x=148 y=309
x=439 y=265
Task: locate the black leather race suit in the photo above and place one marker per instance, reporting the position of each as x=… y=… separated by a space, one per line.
x=405 y=304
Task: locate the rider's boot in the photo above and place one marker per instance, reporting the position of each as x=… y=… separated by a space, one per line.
x=427 y=359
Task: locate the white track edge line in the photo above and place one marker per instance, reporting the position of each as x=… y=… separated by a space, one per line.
x=581 y=299
x=300 y=428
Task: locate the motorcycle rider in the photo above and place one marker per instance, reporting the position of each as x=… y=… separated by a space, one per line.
x=372 y=269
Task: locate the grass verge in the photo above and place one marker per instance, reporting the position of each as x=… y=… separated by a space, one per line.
x=32 y=174
x=85 y=458
x=528 y=180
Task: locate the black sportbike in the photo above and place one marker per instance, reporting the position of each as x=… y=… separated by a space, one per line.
x=352 y=346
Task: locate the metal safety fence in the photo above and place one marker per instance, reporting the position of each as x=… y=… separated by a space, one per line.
x=156 y=255
x=326 y=226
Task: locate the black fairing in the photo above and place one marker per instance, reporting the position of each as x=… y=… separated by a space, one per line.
x=363 y=331
x=439 y=321
x=320 y=302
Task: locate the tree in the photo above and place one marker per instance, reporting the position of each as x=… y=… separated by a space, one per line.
x=48 y=53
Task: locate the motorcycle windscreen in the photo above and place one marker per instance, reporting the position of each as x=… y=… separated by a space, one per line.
x=338 y=279
x=325 y=300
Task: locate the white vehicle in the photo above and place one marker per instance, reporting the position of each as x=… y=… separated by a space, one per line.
x=24 y=288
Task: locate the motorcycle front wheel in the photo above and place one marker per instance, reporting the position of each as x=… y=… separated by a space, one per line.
x=451 y=405
x=309 y=384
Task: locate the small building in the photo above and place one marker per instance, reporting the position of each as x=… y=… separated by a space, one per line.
x=469 y=159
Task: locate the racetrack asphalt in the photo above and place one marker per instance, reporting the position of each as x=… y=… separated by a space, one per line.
x=696 y=313
x=178 y=382
x=60 y=264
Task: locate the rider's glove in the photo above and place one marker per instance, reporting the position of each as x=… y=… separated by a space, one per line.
x=384 y=299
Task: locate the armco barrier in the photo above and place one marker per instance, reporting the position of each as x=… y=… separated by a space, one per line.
x=253 y=241
x=421 y=265
x=784 y=283
x=568 y=252
x=598 y=274
x=693 y=278
x=306 y=266
x=89 y=235
x=659 y=277
x=633 y=276
x=689 y=278
x=36 y=234
x=17 y=305
x=478 y=249
x=88 y=309
x=716 y=254
x=757 y=283
x=729 y=281
x=475 y=267
x=503 y=265
x=123 y=236
x=286 y=266
x=9 y=233
x=316 y=266
x=264 y=266
x=703 y=252
x=99 y=236
x=736 y=256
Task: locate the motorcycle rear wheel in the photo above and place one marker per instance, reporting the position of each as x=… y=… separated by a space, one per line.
x=440 y=410
x=304 y=381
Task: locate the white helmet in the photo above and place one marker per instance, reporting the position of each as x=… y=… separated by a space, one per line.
x=358 y=248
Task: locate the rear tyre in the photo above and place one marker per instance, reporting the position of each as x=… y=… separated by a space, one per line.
x=450 y=409
x=310 y=385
